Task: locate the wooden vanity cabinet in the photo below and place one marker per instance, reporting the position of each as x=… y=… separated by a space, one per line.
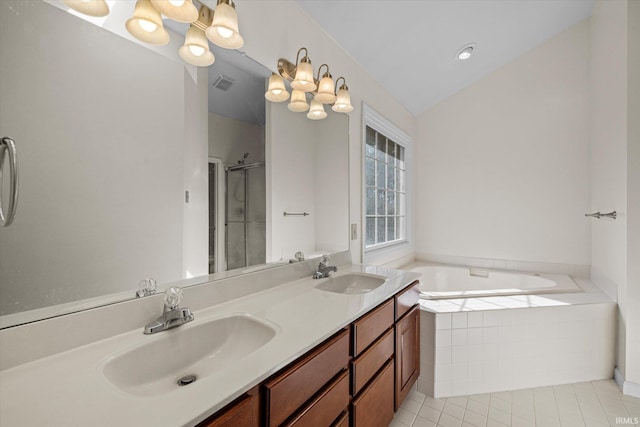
x=407 y=333
x=243 y=412
x=317 y=384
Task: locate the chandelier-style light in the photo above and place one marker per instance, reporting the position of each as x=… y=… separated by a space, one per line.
x=96 y=8
x=146 y=25
x=302 y=81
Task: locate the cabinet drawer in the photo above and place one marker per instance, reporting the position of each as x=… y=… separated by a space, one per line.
x=406 y=299
x=368 y=328
x=327 y=407
x=374 y=407
x=343 y=421
x=289 y=390
x=244 y=412
x=368 y=363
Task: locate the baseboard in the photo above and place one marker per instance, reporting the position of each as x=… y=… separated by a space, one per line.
x=628 y=388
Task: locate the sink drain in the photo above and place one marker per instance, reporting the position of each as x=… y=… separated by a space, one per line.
x=186 y=380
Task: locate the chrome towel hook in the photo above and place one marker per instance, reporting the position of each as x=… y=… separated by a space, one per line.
x=599 y=215
x=9 y=146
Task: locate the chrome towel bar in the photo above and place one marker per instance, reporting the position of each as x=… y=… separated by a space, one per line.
x=295 y=213
x=599 y=215
x=9 y=146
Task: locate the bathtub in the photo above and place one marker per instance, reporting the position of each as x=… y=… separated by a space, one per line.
x=442 y=281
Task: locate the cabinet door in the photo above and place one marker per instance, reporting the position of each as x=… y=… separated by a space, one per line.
x=407 y=354
x=245 y=412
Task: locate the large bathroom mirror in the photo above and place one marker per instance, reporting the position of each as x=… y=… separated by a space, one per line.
x=134 y=165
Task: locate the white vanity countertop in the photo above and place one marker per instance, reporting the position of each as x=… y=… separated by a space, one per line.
x=69 y=389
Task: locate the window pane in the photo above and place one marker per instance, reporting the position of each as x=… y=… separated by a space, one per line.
x=380 y=203
x=370 y=147
x=381 y=153
x=380 y=228
x=391 y=203
x=400 y=207
x=381 y=170
x=371 y=231
x=400 y=184
x=400 y=228
x=391 y=178
x=370 y=169
x=392 y=150
x=391 y=229
x=400 y=158
x=371 y=201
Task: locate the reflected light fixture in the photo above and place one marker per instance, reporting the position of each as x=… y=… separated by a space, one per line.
x=316 y=111
x=298 y=103
x=343 y=101
x=276 y=92
x=196 y=50
x=178 y=10
x=224 y=28
x=96 y=8
x=146 y=24
x=325 y=94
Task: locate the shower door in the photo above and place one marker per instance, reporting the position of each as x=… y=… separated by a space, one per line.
x=245 y=216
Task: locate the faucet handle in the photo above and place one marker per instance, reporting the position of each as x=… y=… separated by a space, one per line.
x=325 y=259
x=172 y=297
x=146 y=287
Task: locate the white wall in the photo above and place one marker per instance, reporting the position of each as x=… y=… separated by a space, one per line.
x=307 y=171
x=289 y=29
x=503 y=164
x=229 y=139
x=83 y=170
x=633 y=196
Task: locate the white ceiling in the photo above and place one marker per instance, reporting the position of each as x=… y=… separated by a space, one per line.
x=409 y=46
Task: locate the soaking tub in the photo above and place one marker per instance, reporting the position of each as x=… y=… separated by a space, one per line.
x=441 y=281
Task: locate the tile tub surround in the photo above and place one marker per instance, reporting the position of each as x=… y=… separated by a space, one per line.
x=482 y=345
x=70 y=389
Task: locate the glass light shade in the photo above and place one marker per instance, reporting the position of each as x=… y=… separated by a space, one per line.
x=298 y=103
x=276 y=91
x=343 y=101
x=316 y=112
x=325 y=93
x=183 y=11
x=146 y=24
x=224 y=28
x=90 y=7
x=195 y=50
x=304 y=77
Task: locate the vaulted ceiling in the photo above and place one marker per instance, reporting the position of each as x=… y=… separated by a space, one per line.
x=410 y=46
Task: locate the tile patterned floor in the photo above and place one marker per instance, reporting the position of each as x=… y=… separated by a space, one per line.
x=597 y=403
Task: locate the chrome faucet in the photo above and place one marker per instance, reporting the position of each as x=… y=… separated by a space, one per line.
x=173 y=315
x=324 y=270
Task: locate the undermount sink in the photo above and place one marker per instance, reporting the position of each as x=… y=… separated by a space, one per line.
x=156 y=367
x=351 y=283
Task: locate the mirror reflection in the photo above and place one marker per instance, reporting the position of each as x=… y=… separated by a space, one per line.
x=135 y=165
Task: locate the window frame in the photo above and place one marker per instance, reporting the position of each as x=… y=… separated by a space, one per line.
x=380 y=124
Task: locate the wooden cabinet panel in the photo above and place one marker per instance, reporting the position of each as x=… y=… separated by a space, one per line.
x=406 y=299
x=244 y=412
x=343 y=421
x=370 y=326
x=327 y=407
x=289 y=390
x=407 y=353
x=368 y=363
x=374 y=407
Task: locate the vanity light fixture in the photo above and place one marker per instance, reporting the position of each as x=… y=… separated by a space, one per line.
x=178 y=10
x=224 y=28
x=466 y=51
x=276 y=92
x=316 y=111
x=146 y=24
x=343 y=101
x=96 y=8
x=196 y=50
x=302 y=81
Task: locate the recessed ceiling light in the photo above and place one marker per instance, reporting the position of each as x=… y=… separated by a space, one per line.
x=466 y=51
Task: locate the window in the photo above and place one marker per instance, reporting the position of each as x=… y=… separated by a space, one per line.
x=386 y=189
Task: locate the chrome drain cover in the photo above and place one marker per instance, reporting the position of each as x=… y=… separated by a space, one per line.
x=186 y=380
